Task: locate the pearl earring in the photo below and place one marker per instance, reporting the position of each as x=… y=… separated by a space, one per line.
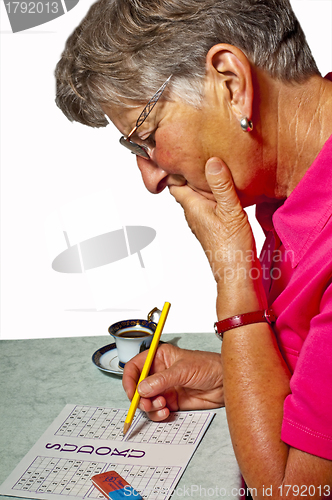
x=246 y=124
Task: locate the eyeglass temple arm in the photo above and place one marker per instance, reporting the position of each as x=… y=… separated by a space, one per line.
x=147 y=109
x=150 y=105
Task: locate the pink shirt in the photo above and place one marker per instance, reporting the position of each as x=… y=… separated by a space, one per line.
x=301 y=296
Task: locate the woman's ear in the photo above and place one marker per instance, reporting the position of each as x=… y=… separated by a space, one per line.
x=229 y=65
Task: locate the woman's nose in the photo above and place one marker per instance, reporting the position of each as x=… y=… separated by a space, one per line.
x=154 y=178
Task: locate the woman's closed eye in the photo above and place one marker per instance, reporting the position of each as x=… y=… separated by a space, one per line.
x=147 y=138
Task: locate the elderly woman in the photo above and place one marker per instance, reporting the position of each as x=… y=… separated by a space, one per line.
x=239 y=115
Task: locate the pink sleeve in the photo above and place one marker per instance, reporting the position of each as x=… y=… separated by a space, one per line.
x=307 y=423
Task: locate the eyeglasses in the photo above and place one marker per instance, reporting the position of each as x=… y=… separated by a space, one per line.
x=135 y=148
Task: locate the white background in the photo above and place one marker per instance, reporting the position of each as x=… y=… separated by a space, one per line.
x=58 y=176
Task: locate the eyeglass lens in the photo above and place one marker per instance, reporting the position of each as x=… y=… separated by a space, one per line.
x=136 y=149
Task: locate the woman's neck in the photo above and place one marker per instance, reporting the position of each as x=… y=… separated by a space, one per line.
x=295 y=122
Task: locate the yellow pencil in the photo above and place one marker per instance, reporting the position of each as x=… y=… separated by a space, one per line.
x=147 y=366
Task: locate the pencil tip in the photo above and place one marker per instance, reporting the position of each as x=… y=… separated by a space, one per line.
x=125 y=428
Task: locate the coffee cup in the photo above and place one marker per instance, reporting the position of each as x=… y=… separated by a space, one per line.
x=133 y=336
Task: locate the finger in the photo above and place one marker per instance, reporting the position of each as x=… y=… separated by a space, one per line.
x=222 y=186
x=132 y=372
x=158 y=416
x=184 y=195
x=156 y=409
x=152 y=404
x=160 y=382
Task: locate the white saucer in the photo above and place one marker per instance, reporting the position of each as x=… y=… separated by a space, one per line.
x=106 y=359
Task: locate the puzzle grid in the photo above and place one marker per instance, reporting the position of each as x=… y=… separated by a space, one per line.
x=97 y=432
x=104 y=423
x=70 y=477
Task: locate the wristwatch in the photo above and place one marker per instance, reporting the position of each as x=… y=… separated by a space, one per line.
x=266 y=316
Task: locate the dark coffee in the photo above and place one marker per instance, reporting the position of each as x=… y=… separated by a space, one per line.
x=133 y=334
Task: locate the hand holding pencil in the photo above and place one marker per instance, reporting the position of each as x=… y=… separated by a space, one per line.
x=147 y=366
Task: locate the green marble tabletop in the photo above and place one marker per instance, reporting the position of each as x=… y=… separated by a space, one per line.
x=39 y=377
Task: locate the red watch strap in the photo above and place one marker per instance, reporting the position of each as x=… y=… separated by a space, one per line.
x=267 y=316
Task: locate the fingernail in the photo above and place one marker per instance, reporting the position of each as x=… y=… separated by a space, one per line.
x=162 y=413
x=158 y=404
x=144 y=388
x=213 y=166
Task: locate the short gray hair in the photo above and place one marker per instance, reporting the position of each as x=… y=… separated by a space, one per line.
x=123 y=50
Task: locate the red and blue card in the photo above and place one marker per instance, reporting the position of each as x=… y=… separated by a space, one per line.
x=114 y=487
